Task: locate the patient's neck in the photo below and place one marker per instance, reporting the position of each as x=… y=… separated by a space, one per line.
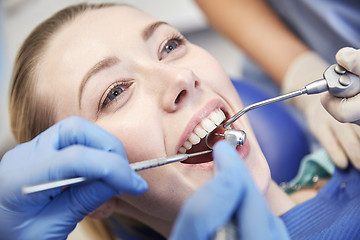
x=279 y=202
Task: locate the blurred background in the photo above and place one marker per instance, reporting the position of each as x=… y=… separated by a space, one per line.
x=21 y=16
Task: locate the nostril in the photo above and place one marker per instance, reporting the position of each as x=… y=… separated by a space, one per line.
x=180 y=96
x=196 y=84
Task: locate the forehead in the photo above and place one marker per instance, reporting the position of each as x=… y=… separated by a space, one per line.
x=125 y=17
x=101 y=32
x=96 y=32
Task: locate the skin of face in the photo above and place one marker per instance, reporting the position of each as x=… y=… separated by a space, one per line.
x=168 y=85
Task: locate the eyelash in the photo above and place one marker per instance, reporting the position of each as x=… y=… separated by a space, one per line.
x=106 y=101
x=180 y=39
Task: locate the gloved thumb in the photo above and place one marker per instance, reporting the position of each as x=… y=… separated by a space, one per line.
x=252 y=212
x=345 y=110
x=349 y=58
x=230 y=191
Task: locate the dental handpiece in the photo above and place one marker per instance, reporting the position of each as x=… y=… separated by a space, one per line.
x=135 y=166
x=336 y=80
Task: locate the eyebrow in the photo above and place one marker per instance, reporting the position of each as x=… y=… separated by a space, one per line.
x=100 y=66
x=150 y=29
x=110 y=61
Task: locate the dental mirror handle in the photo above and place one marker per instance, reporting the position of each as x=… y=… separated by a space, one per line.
x=138 y=166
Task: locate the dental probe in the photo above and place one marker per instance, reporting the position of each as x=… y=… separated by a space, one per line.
x=336 y=80
x=135 y=166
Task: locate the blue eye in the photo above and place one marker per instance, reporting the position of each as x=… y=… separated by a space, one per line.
x=115 y=91
x=112 y=95
x=171 y=45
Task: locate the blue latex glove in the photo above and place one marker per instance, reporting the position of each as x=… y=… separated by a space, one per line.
x=231 y=191
x=71 y=148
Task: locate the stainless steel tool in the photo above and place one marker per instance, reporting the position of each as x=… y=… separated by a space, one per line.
x=336 y=80
x=135 y=166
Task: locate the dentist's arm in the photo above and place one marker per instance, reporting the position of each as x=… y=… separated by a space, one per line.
x=71 y=148
x=231 y=192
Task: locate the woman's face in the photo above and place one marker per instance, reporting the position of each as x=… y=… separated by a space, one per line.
x=139 y=79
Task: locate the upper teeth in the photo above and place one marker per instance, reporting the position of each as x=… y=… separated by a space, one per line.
x=207 y=125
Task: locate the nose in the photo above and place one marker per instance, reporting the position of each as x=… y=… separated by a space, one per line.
x=178 y=88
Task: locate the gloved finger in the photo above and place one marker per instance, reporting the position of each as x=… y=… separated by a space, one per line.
x=71 y=206
x=253 y=213
x=213 y=205
x=356 y=129
x=342 y=109
x=349 y=58
x=348 y=140
x=323 y=132
x=108 y=167
x=78 y=201
x=226 y=192
x=75 y=130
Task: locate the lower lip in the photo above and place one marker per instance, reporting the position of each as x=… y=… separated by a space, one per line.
x=207 y=166
x=244 y=150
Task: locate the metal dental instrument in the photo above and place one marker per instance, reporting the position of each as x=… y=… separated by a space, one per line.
x=336 y=80
x=234 y=137
x=135 y=166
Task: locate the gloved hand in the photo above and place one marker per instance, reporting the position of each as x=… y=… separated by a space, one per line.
x=345 y=109
x=71 y=148
x=231 y=191
x=338 y=139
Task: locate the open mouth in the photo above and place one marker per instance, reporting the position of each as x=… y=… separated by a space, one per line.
x=196 y=141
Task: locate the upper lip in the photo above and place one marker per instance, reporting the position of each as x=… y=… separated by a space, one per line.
x=199 y=116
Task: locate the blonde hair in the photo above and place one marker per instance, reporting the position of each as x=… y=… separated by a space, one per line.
x=30 y=113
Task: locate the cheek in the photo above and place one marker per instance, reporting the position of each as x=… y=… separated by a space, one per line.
x=256 y=161
x=260 y=172
x=208 y=68
x=213 y=76
x=259 y=168
x=134 y=135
